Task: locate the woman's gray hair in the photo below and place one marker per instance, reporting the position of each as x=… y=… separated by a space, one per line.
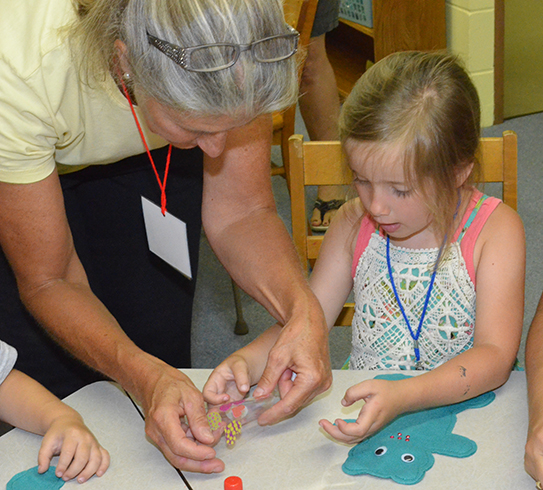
x=248 y=88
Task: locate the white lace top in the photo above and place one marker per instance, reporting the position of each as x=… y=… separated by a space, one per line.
x=381 y=339
x=380 y=336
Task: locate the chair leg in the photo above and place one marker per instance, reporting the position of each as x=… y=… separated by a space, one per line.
x=241 y=327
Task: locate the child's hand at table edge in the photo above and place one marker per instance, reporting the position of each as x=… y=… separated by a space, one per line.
x=383 y=404
x=80 y=454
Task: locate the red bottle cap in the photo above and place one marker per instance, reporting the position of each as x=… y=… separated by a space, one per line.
x=233 y=483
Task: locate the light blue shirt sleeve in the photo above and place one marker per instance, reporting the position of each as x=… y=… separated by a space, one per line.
x=8 y=356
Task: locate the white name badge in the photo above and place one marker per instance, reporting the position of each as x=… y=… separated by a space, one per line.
x=167 y=237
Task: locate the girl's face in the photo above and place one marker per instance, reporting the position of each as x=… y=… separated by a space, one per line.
x=386 y=195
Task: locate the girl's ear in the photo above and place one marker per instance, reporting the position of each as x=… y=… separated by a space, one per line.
x=463 y=173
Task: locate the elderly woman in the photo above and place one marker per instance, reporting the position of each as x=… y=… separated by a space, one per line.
x=85 y=87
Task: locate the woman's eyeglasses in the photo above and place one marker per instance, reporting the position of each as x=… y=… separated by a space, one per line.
x=219 y=56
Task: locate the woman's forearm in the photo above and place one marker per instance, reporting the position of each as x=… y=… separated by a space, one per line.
x=80 y=323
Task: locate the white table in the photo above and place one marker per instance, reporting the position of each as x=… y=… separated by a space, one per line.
x=295 y=454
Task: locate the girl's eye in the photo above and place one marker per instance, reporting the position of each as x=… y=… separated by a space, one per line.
x=401 y=193
x=360 y=182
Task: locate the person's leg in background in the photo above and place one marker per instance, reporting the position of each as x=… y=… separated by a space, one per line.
x=319 y=105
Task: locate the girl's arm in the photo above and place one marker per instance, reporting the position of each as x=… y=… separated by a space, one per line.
x=500 y=269
x=26 y=404
x=330 y=281
x=533 y=458
x=500 y=259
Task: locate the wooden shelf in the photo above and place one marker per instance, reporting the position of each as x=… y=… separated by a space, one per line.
x=398 y=25
x=368 y=31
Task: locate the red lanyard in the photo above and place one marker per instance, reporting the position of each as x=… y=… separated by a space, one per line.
x=161 y=184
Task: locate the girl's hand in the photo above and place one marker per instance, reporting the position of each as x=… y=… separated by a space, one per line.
x=383 y=403
x=80 y=453
x=230 y=380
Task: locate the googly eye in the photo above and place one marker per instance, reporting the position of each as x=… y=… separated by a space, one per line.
x=408 y=458
x=380 y=451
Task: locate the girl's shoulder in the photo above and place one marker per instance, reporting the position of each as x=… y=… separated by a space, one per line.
x=503 y=220
x=346 y=224
x=353 y=210
x=502 y=234
x=485 y=215
x=350 y=215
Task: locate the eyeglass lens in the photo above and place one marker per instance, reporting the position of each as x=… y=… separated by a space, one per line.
x=274 y=49
x=207 y=57
x=266 y=51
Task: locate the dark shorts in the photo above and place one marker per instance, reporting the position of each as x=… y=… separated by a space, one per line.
x=326 y=17
x=151 y=301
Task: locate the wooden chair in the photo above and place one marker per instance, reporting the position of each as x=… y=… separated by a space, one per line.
x=314 y=163
x=317 y=163
x=299 y=14
x=499 y=164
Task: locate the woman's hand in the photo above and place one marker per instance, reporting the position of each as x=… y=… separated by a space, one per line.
x=383 y=403
x=301 y=349
x=168 y=400
x=80 y=453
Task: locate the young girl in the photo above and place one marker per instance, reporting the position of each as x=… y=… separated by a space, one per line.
x=27 y=404
x=437 y=268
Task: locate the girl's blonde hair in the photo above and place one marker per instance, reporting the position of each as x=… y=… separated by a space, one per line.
x=248 y=88
x=427 y=104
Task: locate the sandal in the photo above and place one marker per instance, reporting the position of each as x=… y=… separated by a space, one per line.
x=324 y=207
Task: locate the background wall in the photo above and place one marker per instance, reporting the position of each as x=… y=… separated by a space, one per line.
x=470 y=33
x=523 y=58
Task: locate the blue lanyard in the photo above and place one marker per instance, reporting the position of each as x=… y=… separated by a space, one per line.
x=414 y=336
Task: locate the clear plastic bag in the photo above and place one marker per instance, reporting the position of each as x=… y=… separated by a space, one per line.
x=231 y=417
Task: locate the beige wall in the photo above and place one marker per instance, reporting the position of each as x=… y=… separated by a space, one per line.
x=523 y=58
x=470 y=33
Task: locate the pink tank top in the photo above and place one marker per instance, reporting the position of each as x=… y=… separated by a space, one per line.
x=380 y=336
x=479 y=209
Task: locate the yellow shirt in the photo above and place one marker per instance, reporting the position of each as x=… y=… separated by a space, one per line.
x=48 y=117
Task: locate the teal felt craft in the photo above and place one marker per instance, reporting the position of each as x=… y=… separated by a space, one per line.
x=32 y=480
x=403 y=450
